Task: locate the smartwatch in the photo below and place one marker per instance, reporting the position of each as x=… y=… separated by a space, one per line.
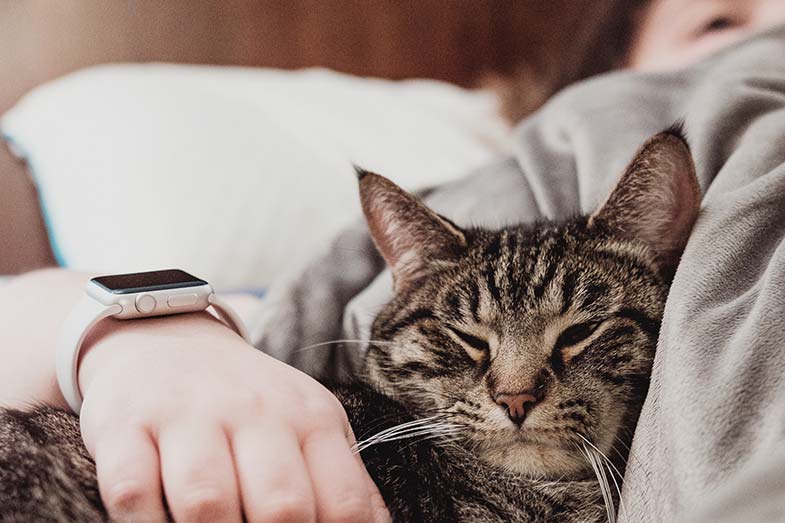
x=130 y=297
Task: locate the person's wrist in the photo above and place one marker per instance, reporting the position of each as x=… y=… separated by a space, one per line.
x=114 y=343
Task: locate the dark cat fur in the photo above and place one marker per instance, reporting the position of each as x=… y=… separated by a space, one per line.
x=473 y=315
x=49 y=476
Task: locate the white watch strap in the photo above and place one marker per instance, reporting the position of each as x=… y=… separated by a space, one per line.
x=87 y=313
x=228 y=315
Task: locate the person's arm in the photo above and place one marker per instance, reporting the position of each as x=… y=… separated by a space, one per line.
x=32 y=309
x=182 y=407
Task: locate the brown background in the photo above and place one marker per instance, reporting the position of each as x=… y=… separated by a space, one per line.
x=454 y=40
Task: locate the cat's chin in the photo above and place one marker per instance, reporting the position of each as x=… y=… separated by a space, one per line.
x=534 y=456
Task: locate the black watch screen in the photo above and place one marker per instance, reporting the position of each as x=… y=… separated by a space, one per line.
x=148 y=281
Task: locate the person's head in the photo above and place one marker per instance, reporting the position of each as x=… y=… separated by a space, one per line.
x=676 y=33
x=645 y=35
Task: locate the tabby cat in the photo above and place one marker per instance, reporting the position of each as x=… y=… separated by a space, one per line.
x=503 y=380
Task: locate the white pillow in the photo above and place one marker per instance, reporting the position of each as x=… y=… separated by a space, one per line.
x=232 y=173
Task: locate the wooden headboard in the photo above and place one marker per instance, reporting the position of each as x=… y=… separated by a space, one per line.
x=458 y=40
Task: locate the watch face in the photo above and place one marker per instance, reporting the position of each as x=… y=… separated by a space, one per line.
x=147 y=281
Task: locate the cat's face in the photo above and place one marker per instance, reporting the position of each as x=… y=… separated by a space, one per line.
x=566 y=319
x=535 y=338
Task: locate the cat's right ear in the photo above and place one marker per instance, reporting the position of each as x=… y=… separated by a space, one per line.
x=412 y=239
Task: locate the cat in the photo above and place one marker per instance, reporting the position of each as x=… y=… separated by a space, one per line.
x=504 y=379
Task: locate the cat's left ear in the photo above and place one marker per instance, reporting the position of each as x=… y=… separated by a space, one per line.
x=657 y=199
x=411 y=238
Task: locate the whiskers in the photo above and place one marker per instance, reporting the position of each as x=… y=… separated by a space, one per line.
x=424 y=428
x=632 y=461
x=340 y=342
x=603 y=468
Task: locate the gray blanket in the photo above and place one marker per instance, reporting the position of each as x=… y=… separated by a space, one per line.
x=710 y=444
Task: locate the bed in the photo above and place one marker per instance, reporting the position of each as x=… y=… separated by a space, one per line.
x=463 y=44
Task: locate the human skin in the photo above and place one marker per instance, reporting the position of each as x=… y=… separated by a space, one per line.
x=182 y=407
x=676 y=33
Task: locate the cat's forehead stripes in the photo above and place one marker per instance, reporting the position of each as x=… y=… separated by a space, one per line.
x=521 y=269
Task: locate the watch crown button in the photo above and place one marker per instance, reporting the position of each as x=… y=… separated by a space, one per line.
x=145 y=303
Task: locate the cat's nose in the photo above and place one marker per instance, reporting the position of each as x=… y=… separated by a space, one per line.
x=516 y=405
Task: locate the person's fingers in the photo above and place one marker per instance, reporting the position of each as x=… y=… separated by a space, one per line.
x=198 y=474
x=379 y=511
x=129 y=476
x=274 y=482
x=339 y=481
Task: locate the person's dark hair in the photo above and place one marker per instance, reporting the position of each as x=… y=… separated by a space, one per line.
x=603 y=45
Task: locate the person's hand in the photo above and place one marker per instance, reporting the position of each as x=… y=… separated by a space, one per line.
x=182 y=408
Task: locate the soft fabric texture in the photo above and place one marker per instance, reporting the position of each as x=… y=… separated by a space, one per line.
x=232 y=173
x=714 y=418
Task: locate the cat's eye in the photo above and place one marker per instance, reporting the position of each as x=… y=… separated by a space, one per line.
x=568 y=343
x=576 y=334
x=474 y=342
